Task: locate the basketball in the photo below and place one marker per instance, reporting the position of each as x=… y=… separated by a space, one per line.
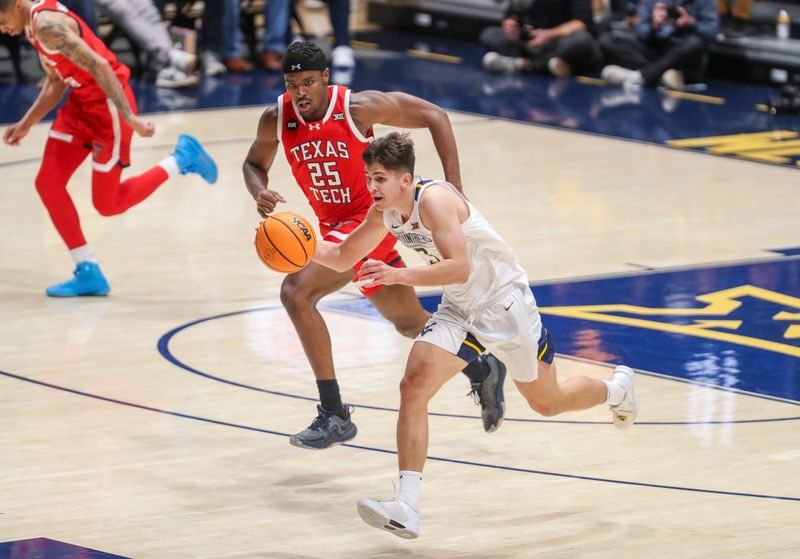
x=285 y=242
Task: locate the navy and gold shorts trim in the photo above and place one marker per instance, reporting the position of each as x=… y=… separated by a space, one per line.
x=547 y=347
x=470 y=348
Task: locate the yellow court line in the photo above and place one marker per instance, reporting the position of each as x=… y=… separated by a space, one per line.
x=364 y=44
x=590 y=81
x=434 y=56
x=695 y=97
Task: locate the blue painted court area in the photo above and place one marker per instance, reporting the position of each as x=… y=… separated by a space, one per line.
x=43 y=548
x=733 y=327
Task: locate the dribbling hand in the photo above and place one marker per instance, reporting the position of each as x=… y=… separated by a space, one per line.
x=15 y=133
x=267 y=200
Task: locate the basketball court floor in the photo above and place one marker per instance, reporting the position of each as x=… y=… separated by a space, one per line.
x=154 y=423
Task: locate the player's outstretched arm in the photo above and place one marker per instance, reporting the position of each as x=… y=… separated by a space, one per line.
x=49 y=96
x=363 y=240
x=54 y=31
x=259 y=160
x=443 y=212
x=406 y=111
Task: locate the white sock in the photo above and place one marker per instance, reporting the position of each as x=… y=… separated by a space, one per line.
x=170 y=165
x=616 y=393
x=83 y=254
x=410 y=487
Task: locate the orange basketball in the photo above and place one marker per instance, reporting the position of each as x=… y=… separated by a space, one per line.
x=285 y=242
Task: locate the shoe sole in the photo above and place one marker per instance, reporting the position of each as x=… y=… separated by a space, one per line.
x=631 y=418
x=66 y=296
x=377 y=519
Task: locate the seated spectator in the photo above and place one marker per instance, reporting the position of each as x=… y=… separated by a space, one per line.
x=543 y=36
x=142 y=23
x=670 y=46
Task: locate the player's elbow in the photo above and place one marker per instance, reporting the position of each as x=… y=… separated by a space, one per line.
x=461 y=273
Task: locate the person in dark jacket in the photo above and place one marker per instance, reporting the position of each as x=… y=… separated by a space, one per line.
x=542 y=36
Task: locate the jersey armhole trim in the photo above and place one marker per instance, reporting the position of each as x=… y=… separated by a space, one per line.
x=280 y=118
x=353 y=128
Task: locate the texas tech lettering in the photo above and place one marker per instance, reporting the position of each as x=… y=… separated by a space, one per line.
x=320 y=149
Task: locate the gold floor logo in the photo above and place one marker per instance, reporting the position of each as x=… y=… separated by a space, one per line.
x=708 y=322
x=778 y=146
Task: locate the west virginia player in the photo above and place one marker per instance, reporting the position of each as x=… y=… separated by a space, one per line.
x=485 y=292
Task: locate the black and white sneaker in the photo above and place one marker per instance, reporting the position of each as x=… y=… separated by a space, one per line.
x=393 y=515
x=489 y=393
x=326 y=430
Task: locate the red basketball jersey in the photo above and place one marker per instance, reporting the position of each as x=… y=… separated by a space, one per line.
x=325 y=157
x=81 y=81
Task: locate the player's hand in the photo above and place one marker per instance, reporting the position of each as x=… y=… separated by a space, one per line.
x=14 y=133
x=144 y=128
x=267 y=200
x=374 y=273
x=660 y=15
x=511 y=29
x=684 y=19
x=540 y=37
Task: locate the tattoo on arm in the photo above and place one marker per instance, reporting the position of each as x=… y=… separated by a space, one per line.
x=57 y=36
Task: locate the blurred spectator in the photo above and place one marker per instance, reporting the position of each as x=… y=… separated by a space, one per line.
x=670 y=46
x=222 y=38
x=276 y=29
x=739 y=9
x=543 y=36
x=735 y=13
x=13 y=45
x=342 y=55
x=142 y=23
x=84 y=9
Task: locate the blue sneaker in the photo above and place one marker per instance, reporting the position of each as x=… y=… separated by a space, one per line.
x=88 y=280
x=192 y=158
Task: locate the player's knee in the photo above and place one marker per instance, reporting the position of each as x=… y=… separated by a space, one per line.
x=413 y=387
x=294 y=296
x=45 y=186
x=105 y=207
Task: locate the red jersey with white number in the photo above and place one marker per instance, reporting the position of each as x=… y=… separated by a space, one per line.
x=325 y=157
x=84 y=88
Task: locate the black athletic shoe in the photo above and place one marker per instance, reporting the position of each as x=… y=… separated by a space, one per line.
x=489 y=394
x=326 y=430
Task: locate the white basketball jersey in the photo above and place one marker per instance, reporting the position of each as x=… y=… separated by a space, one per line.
x=493 y=266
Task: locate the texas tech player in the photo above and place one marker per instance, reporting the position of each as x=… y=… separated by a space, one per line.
x=99 y=117
x=324 y=130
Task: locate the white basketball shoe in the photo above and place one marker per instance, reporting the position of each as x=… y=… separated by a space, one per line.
x=625 y=412
x=394 y=515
